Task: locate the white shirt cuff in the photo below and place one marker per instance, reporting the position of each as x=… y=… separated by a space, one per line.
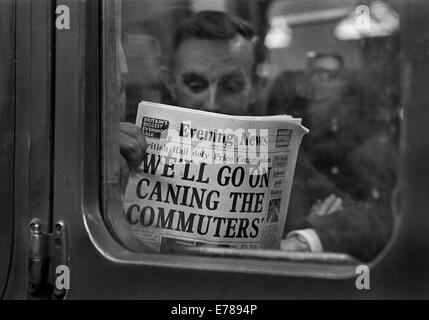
x=310 y=236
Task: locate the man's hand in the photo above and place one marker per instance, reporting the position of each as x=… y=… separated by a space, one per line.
x=326 y=207
x=132 y=145
x=294 y=243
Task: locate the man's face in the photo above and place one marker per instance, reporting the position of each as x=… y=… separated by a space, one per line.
x=214 y=75
x=324 y=79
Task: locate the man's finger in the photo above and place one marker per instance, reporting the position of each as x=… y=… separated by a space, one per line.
x=123 y=174
x=335 y=206
x=315 y=207
x=131 y=150
x=325 y=205
x=135 y=132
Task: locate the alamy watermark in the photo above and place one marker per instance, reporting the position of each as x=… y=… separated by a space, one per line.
x=362 y=281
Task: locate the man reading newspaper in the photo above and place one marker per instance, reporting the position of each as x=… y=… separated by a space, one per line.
x=214 y=69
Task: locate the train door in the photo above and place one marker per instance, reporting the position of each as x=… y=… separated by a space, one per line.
x=7 y=31
x=27 y=113
x=63 y=119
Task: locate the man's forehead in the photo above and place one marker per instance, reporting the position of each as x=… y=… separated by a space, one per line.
x=214 y=55
x=327 y=63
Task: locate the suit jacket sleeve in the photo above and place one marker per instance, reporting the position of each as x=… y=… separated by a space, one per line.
x=361 y=229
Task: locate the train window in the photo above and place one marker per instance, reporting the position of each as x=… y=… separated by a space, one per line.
x=334 y=64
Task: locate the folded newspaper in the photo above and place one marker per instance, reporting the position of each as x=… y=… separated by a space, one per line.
x=210 y=179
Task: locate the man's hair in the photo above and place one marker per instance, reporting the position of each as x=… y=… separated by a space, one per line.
x=212 y=25
x=319 y=56
x=217 y=25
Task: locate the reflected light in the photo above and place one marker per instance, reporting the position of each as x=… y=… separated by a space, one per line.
x=376 y=20
x=279 y=34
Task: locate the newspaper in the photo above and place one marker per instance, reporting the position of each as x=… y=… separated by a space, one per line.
x=210 y=179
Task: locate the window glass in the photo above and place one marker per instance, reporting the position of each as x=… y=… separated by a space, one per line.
x=334 y=64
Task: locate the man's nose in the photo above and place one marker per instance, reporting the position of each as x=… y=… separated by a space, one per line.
x=210 y=102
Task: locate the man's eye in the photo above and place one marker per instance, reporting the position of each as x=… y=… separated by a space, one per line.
x=196 y=86
x=195 y=83
x=232 y=87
